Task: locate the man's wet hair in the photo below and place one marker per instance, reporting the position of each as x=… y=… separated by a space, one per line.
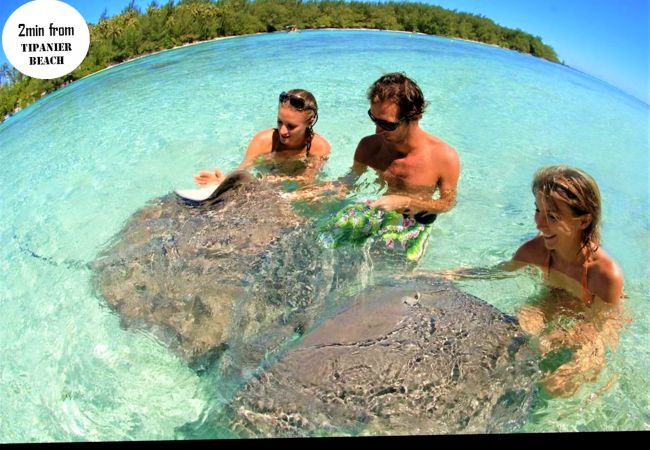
x=400 y=89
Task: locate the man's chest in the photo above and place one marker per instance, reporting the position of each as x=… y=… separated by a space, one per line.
x=408 y=173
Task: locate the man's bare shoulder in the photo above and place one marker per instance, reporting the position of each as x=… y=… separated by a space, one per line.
x=367 y=145
x=440 y=158
x=372 y=141
x=442 y=150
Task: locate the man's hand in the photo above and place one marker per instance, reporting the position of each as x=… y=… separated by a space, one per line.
x=392 y=203
x=206 y=178
x=327 y=190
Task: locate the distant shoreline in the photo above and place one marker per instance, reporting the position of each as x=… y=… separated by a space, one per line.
x=362 y=29
x=188 y=44
x=136 y=32
x=110 y=66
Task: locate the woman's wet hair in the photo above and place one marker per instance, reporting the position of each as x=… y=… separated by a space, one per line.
x=400 y=89
x=579 y=191
x=311 y=110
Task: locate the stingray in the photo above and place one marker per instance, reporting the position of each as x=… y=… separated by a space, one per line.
x=409 y=356
x=185 y=269
x=243 y=275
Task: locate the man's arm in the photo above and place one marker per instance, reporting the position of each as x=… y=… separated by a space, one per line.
x=357 y=169
x=408 y=202
x=444 y=203
x=353 y=175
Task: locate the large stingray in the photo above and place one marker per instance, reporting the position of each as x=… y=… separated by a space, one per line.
x=414 y=356
x=246 y=272
x=187 y=272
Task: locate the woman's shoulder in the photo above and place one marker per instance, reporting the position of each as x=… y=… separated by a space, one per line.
x=320 y=146
x=264 y=135
x=605 y=277
x=532 y=251
x=603 y=265
x=262 y=142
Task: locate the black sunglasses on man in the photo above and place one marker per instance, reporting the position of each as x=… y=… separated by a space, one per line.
x=385 y=124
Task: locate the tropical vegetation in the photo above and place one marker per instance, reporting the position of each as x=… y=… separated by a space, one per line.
x=134 y=32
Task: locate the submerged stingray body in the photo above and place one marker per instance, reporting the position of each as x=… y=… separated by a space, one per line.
x=188 y=273
x=413 y=357
x=238 y=280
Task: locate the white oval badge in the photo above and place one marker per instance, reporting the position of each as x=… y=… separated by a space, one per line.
x=45 y=39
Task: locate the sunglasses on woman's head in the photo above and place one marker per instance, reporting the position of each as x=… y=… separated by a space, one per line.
x=385 y=124
x=294 y=100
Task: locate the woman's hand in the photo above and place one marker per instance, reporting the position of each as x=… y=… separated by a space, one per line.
x=207 y=178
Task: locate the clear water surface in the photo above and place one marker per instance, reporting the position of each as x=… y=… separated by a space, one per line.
x=76 y=164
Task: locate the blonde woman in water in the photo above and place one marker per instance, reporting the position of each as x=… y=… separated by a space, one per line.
x=294 y=139
x=579 y=316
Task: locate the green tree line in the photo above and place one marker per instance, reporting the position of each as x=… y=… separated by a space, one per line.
x=134 y=32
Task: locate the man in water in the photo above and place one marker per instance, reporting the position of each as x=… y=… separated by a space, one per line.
x=411 y=162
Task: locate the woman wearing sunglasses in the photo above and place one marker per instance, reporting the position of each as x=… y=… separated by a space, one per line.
x=294 y=139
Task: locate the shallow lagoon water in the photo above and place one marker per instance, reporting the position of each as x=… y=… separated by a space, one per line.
x=76 y=164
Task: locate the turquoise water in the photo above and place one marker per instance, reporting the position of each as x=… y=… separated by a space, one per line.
x=76 y=164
